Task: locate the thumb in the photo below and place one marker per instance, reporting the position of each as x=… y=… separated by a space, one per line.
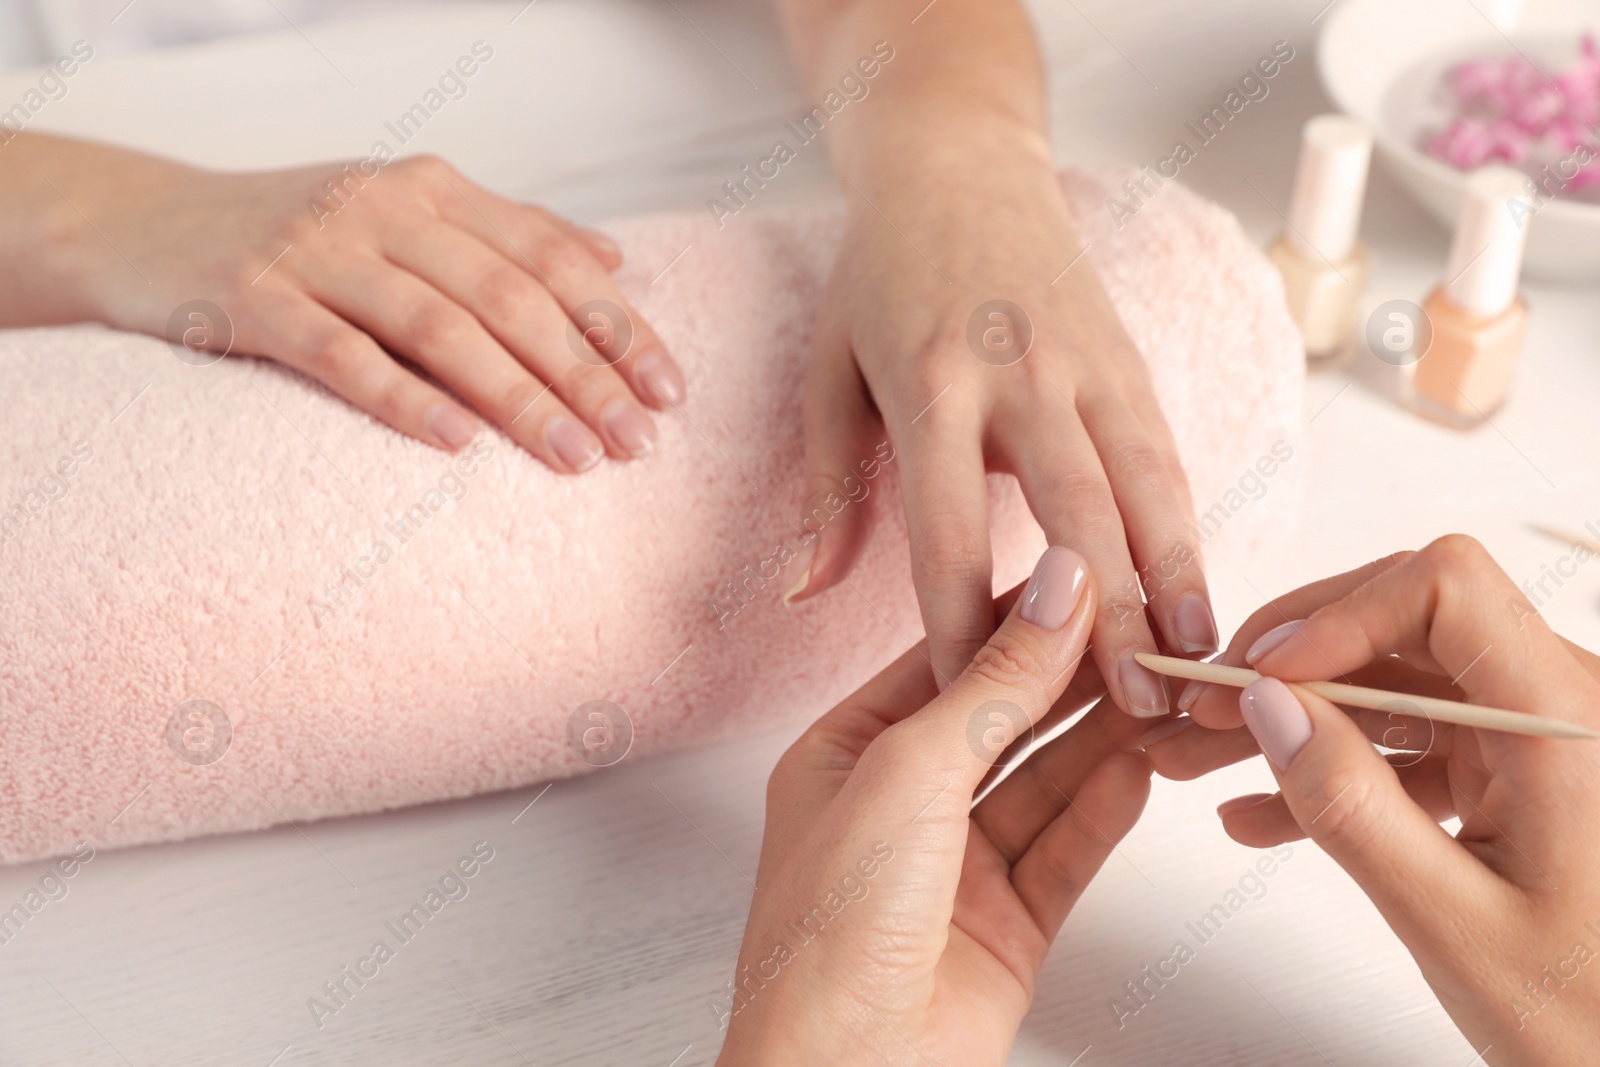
x=842 y=459
x=1348 y=799
x=1013 y=681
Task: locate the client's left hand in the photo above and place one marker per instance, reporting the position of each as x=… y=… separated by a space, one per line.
x=894 y=923
x=912 y=343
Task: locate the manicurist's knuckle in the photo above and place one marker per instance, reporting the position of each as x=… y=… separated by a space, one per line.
x=1008 y=660
x=1344 y=812
x=1455 y=555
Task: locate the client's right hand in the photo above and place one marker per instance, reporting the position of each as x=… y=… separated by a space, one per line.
x=1504 y=918
x=342 y=273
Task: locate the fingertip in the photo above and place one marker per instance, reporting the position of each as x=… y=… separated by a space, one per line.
x=451 y=427
x=800 y=588
x=1195 y=625
x=1138 y=766
x=1144 y=692
x=835 y=541
x=660 y=380
x=573 y=443
x=628 y=428
x=1055 y=590
x=1162 y=731
x=1249 y=800
x=1271 y=641
x=1277 y=720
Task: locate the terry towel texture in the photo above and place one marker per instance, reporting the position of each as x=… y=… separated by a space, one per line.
x=364 y=622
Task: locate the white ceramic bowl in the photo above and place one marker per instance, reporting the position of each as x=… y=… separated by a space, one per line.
x=1375 y=55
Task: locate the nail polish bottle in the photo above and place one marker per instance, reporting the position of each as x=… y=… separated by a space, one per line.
x=1324 y=265
x=1475 y=317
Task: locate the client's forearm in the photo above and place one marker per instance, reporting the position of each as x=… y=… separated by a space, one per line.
x=51 y=248
x=964 y=81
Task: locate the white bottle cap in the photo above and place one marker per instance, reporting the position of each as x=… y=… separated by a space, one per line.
x=1491 y=230
x=1325 y=214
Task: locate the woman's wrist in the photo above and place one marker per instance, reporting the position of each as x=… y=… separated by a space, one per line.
x=54 y=223
x=923 y=145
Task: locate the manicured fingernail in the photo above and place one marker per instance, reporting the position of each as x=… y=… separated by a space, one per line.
x=1162 y=731
x=1056 y=587
x=660 y=377
x=1143 y=689
x=1190 y=694
x=1272 y=639
x=802 y=571
x=1196 y=626
x=1240 y=803
x=451 y=425
x=573 y=443
x=602 y=242
x=629 y=427
x=1276 y=720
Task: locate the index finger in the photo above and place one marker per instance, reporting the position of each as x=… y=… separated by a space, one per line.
x=1216 y=706
x=1010 y=685
x=566 y=265
x=1449 y=605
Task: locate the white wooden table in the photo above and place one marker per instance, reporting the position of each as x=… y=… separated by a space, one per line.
x=611 y=911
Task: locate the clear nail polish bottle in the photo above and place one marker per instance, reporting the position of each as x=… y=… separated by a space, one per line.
x=1324 y=265
x=1476 y=319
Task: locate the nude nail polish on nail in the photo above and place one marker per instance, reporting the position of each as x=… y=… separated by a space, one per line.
x=1272 y=639
x=1143 y=689
x=573 y=443
x=451 y=425
x=1276 y=720
x=1162 y=731
x=802 y=565
x=1053 y=592
x=1196 y=626
x=1190 y=695
x=629 y=427
x=660 y=378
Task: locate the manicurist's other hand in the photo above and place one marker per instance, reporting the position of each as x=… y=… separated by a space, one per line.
x=965 y=324
x=892 y=922
x=418 y=296
x=1503 y=918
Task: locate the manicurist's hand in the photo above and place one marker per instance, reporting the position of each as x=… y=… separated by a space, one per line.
x=1504 y=918
x=963 y=324
x=418 y=296
x=895 y=924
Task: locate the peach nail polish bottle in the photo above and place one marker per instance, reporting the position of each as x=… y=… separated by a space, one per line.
x=1324 y=265
x=1476 y=318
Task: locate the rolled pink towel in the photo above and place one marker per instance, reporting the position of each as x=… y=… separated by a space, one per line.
x=229 y=599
